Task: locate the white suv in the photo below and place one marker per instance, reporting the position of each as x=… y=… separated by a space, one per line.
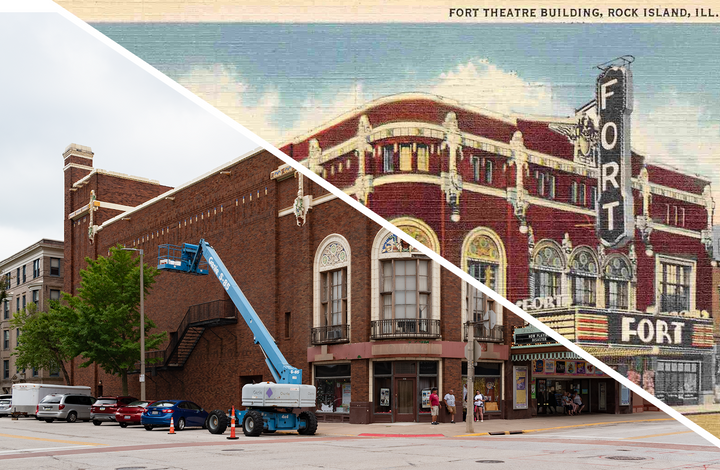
x=69 y=407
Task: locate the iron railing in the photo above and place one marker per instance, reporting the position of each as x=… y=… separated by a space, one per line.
x=331 y=334
x=405 y=328
x=484 y=334
x=214 y=313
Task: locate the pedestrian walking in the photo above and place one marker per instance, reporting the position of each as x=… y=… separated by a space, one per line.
x=434 y=405
x=552 y=400
x=450 y=404
x=541 y=402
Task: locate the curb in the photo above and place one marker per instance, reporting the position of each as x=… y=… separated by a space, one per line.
x=526 y=431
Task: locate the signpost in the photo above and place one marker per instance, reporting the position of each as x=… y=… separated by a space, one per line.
x=615 y=218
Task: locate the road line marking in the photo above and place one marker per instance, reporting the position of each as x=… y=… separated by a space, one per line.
x=656 y=435
x=53 y=440
x=44 y=449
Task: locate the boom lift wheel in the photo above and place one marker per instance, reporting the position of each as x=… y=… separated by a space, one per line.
x=253 y=423
x=310 y=423
x=217 y=422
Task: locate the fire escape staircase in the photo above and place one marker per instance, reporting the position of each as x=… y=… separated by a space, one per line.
x=183 y=341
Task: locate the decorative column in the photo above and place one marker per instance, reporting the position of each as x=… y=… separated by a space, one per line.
x=644 y=222
x=363 y=182
x=451 y=181
x=707 y=239
x=518 y=196
x=315 y=157
x=302 y=203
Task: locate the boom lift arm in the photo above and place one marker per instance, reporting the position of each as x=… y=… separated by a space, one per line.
x=191 y=262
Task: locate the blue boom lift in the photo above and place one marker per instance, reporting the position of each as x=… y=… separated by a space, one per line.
x=269 y=405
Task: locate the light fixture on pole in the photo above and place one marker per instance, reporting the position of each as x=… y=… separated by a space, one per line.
x=142 y=322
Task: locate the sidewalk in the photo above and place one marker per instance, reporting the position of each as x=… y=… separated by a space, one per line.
x=489 y=427
x=698 y=409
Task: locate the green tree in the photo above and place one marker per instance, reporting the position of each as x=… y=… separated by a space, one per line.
x=104 y=318
x=42 y=343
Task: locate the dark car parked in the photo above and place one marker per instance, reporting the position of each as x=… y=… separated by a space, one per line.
x=103 y=410
x=184 y=413
x=131 y=413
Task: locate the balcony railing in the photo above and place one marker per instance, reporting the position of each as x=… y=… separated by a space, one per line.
x=331 y=334
x=485 y=334
x=405 y=328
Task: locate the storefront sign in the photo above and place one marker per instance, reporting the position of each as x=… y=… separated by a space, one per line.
x=520 y=388
x=615 y=221
x=281 y=172
x=544 y=303
x=530 y=335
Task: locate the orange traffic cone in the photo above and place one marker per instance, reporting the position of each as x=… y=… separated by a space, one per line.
x=172 y=426
x=232 y=425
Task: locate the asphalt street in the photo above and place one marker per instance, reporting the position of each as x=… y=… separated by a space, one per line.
x=647 y=444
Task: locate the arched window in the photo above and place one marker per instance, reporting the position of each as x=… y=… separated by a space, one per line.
x=332 y=275
x=483 y=257
x=583 y=277
x=548 y=266
x=617 y=275
x=408 y=284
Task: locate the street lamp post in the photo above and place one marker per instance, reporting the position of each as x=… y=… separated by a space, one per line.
x=142 y=322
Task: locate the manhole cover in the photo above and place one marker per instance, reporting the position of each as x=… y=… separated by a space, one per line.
x=490 y=461
x=232 y=450
x=623 y=457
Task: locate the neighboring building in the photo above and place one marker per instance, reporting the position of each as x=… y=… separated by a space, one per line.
x=373 y=323
x=33 y=275
x=512 y=200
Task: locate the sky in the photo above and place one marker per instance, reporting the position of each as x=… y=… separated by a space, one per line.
x=282 y=80
x=59 y=86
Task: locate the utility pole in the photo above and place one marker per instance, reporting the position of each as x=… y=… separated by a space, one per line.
x=470 y=417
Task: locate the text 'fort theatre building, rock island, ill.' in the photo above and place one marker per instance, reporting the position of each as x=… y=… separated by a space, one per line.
x=512 y=200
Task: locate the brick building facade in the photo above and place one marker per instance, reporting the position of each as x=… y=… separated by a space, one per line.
x=33 y=275
x=512 y=200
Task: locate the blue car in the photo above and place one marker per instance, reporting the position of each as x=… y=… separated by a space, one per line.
x=184 y=413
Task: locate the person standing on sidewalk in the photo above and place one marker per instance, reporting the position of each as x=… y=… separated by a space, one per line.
x=552 y=400
x=450 y=405
x=434 y=405
x=479 y=406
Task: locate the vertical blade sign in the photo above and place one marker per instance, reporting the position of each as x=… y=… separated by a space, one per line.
x=615 y=218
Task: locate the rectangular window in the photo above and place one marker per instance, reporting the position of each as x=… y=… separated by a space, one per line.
x=35 y=372
x=616 y=294
x=6 y=309
x=36 y=297
x=405 y=292
x=574 y=192
x=6 y=339
x=593 y=196
x=36 y=268
x=667 y=214
x=54 y=266
x=17 y=336
x=334 y=297
x=488 y=171
x=55 y=372
x=24 y=303
x=54 y=294
x=682 y=217
x=24 y=274
x=17 y=304
x=388 y=155
x=674 y=287
x=582 y=199
x=476 y=168
x=551 y=188
x=8 y=280
x=405 y=157
x=541 y=181
x=17 y=277
x=583 y=288
x=547 y=283
x=423 y=160
x=6 y=369
x=333 y=387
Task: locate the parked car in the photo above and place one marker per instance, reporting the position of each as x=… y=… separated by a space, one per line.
x=70 y=407
x=5 y=407
x=184 y=413
x=131 y=413
x=105 y=407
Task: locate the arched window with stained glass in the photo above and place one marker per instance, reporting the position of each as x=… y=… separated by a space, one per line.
x=583 y=277
x=548 y=266
x=617 y=275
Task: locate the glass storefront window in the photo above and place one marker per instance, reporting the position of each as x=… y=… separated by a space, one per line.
x=382 y=393
x=427 y=380
x=333 y=388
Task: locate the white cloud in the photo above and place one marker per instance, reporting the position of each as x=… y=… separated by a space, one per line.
x=223 y=87
x=480 y=83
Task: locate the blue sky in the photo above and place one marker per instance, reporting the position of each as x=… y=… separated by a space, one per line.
x=281 y=80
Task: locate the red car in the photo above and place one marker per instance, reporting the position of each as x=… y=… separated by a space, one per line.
x=105 y=407
x=131 y=413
